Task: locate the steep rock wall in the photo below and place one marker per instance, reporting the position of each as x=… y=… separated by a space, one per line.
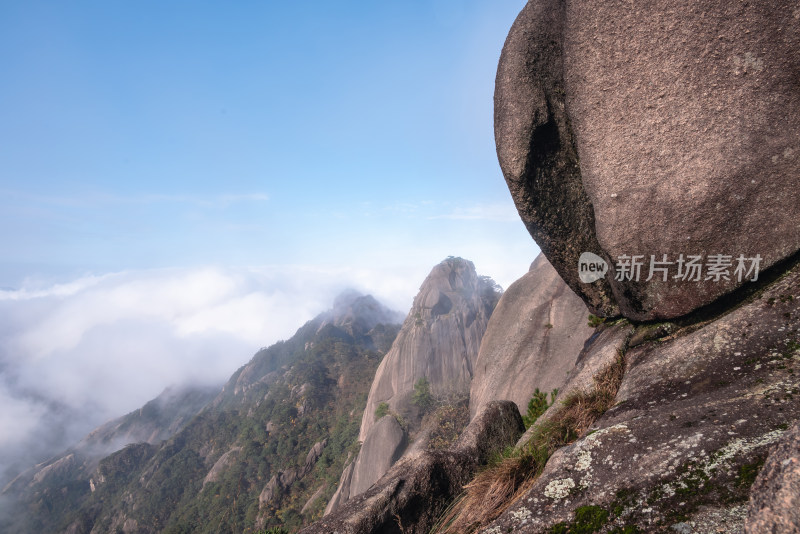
x=439 y=340
x=697 y=411
x=532 y=341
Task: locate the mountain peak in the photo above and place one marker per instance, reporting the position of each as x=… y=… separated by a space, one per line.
x=358 y=313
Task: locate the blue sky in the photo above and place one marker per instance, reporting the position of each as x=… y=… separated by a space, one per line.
x=182 y=183
x=159 y=134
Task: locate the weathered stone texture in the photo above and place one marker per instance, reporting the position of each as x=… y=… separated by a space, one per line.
x=532 y=341
x=653 y=128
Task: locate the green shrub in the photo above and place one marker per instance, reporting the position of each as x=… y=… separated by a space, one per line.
x=537 y=406
x=381 y=410
x=422 y=394
x=595 y=321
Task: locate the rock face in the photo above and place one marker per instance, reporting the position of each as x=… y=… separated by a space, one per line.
x=690 y=110
x=532 y=341
x=384 y=445
x=415 y=491
x=317 y=494
x=224 y=462
x=439 y=341
x=281 y=482
x=694 y=417
x=342 y=493
x=775 y=497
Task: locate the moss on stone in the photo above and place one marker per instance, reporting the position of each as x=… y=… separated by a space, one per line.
x=587 y=519
x=749 y=472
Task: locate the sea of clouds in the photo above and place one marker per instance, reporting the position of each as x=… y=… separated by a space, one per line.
x=74 y=355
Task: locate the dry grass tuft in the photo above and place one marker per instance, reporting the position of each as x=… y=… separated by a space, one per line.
x=507 y=478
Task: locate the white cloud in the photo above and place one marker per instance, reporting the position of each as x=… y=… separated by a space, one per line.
x=100 y=346
x=56 y=290
x=75 y=354
x=18 y=419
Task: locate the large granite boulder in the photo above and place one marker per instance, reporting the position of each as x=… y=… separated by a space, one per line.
x=532 y=341
x=698 y=409
x=651 y=129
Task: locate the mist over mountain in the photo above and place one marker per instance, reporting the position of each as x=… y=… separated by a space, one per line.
x=642 y=376
x=278 y=431
x=77 y=354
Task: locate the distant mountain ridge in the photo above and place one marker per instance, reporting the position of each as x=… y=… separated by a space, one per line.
x=265 y=450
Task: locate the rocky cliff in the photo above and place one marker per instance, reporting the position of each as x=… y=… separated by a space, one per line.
x=437 y=344
x=657 y=426
x=439 y=340
x=532 y=341
x=414 y=493
x=697 y=409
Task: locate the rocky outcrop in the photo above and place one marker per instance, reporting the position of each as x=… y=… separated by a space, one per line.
x=532 y=341
x=342 y=493
x=775 y=497
x=313 y=499
x=653 y=129
x=439 y=340
x=694 y=417
x=602 y=351
x=283 y=480
x=270 y=492
x=415 y=491
x=314 y=454
x=223 y=463
x=384 y=445
x=58 y=468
